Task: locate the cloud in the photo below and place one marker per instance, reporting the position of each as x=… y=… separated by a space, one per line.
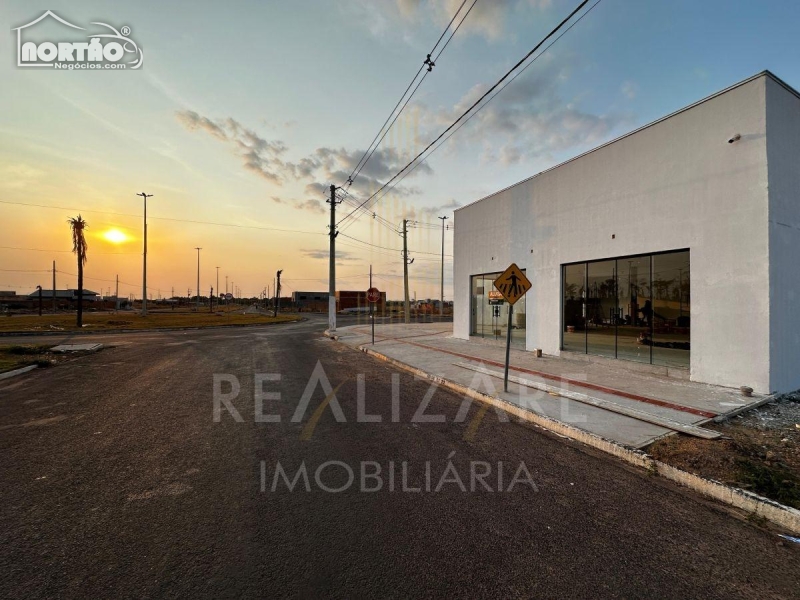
x=529 y=119
x=488 y=19
x=311 y=205
x=337 y=164
x=265 y=158
x=324 y=255
x=629 y=89
x=429 y=214
x=259 y=156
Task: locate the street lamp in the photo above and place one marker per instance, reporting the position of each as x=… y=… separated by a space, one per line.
x=144 y=255
x=198 y=278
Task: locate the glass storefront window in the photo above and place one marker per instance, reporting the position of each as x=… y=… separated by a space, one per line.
x=491 y=321
x=633 y=326
x=601 y=308
x=574 y=329
x=671 y=309
x=633 y=308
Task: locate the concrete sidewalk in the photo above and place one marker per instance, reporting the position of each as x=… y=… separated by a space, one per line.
x=607 y=398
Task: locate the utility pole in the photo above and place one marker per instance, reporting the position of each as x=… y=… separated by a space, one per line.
x=198 y=278
x=332 y=263
x=116 y=295
x=278 y=293
x=406 y=262
x=55 y=304
x=38 y=287
x=441 y=290
x=144 y=255
x=218 y=286
x=211 y=301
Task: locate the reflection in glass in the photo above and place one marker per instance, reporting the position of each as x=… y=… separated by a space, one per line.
x=491 y=321
x=671 y=309
x=634 y=323
x=574 y=330
x=601 y=308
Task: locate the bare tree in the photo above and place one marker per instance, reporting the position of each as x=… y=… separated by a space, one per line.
x=79 y=247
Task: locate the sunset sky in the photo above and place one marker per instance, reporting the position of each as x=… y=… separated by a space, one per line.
x=244 y=112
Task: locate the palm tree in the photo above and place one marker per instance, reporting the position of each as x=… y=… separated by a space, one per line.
x=79 y=247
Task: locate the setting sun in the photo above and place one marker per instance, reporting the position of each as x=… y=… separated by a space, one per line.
x=115 y=236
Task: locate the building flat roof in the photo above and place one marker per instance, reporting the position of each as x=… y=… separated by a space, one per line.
x=765 y=73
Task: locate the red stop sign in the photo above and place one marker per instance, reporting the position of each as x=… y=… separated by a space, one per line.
x=373 y=295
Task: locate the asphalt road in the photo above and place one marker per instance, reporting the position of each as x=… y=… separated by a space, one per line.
x=117 y=482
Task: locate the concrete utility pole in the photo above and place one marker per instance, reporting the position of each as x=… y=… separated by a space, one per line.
x=116 y=295
x=441 y=290
x=198 y=277
x=55 y=303
x=211 y=301
x=406 y=262
x=332 y=263
x=144 y=255
x=218 y=294
x=38 y=287
x=278 y=292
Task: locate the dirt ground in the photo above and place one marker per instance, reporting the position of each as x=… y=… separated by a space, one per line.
x=759 y=451
x=132 y=321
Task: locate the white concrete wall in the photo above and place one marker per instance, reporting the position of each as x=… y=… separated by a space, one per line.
x=672 y=185
x=783 y=159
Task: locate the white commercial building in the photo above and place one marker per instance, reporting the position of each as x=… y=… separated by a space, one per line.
x=676 y=245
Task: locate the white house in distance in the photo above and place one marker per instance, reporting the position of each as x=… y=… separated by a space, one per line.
x=676 y=245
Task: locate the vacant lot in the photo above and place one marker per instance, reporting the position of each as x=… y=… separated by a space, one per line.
x=760 y=451
x=132 y=321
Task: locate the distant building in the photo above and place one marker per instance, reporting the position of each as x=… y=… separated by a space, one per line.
x=310 y=301
x=69 y=295
x=357 y=299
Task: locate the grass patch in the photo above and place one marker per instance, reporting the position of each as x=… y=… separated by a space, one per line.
x=15 y=357
x=772 y=481
x=27 y=350
x=132 y=321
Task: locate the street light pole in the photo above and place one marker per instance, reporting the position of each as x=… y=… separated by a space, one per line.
x=278 y=293
x=441 y=290
x=198 y=278
x=144 y=255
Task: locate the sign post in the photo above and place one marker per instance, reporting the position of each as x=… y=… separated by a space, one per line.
x=513 y=285
x=373 y=296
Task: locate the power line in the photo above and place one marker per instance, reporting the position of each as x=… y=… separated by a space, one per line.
x=492 y=97
x=106 y=212
x=475 y=104
x=367 y=153
x=62 y=251
x=387 y=248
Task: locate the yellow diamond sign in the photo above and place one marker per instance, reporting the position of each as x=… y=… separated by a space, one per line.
x=512 y=284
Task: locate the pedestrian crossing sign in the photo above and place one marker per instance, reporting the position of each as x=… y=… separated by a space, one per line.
x=512 y=284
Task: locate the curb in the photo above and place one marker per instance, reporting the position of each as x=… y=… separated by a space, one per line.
x=774 y=512
x=155 y=329
x=15 y=372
